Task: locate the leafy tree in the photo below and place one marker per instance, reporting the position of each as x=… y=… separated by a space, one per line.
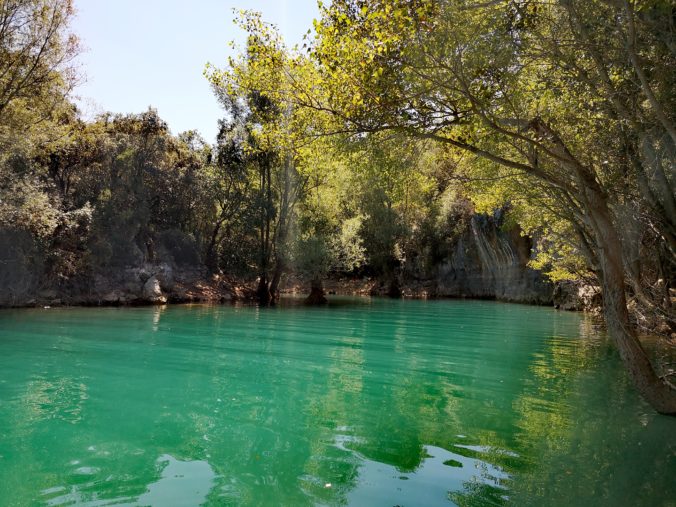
x=35 y=54
x=255 y=90
x=560 y=95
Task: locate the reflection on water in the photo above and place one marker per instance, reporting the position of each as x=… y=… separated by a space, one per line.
x=374 y=403
x=439 y=475
x=182 y=483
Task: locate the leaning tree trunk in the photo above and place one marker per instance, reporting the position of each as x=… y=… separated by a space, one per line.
x=276 y=280
x=658 y=392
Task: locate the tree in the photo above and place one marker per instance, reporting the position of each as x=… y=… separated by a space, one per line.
x=230 y=186
x=35 y=79
x=35 y=53
x=527 y=88
x=256 y=92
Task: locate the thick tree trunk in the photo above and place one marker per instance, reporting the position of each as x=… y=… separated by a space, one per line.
x=394 y=289
x=656 y=391
x=659 y=393
x=263 y=291
x=282 y=230
x=316 y=296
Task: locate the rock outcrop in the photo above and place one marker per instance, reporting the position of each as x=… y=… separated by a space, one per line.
x=152 y=292
x=146 y=284
x=577 y=296
x=487 y=260
x=490 y=262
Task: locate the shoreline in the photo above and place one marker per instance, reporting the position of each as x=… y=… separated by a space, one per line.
x=220 y=289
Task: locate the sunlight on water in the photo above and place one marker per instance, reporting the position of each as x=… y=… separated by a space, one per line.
x=366 y=402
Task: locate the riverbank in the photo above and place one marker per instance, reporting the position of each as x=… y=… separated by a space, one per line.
x=158 y=284
x=569 y=296
x=148 y=284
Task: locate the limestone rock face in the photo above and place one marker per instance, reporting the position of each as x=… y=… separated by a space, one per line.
x=489 y=262
x=165 y=275
x=152 y=291
x=175 y=274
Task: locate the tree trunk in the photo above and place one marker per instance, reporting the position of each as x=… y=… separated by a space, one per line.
x=394 y=289
x=282 y=230
x=211 y=257
x=656 y=391
x=263 y=291
x=316 y=296
x=276 y=279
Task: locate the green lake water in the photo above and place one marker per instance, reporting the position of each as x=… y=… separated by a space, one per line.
x=364 y=402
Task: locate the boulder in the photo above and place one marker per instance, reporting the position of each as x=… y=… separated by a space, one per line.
x=166 y=277
x=152 y=291
x=577 y=296
x=111 y=297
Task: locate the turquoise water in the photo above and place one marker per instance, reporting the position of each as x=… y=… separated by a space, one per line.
x=365 y=402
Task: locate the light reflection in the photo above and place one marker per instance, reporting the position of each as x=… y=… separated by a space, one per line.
x=157 y=314
x=181 y=483
x=440 y=475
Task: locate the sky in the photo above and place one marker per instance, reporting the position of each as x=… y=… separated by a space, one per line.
x=141 y=53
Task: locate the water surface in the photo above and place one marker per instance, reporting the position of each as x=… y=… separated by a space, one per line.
x=365 y=403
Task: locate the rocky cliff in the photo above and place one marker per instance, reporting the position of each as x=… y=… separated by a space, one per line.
x=27 y=277
x=489 y=261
